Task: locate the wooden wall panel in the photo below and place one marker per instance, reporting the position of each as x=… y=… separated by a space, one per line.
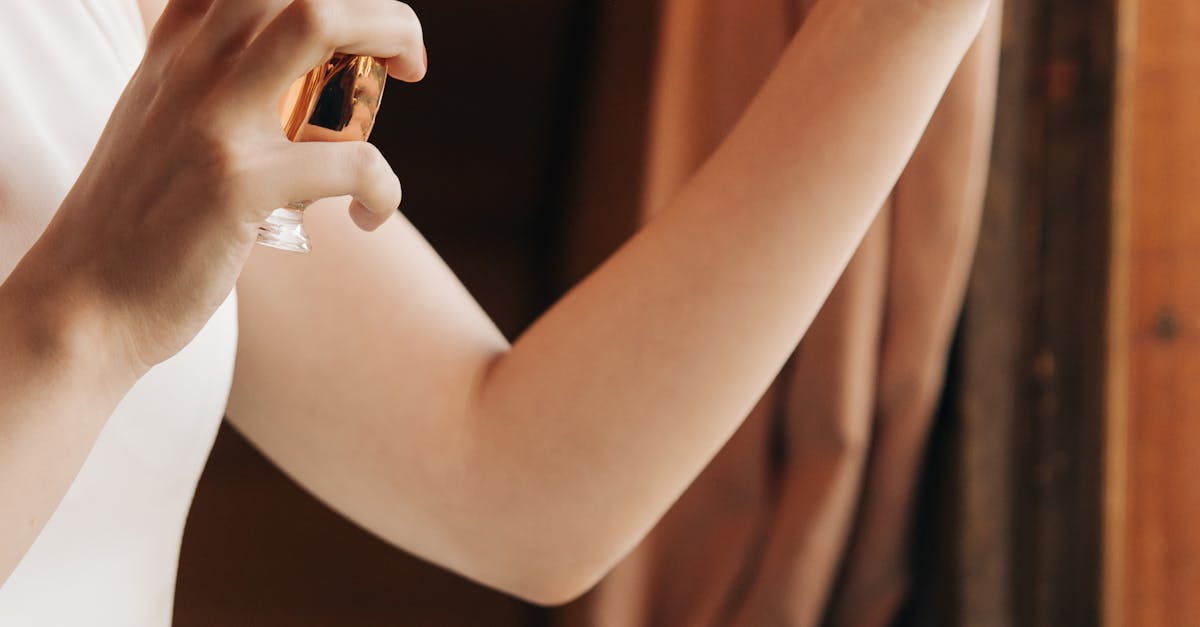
x=1154 y=513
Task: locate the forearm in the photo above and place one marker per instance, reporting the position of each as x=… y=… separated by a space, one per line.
x=604 y=410
x=937 y=207
x=58 y=385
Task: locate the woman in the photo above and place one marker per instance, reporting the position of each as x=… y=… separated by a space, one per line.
x=364 y=369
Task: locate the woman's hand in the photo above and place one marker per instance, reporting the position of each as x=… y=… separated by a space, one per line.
x=153 y=235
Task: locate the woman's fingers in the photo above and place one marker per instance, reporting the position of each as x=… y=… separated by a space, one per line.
x=304 y=33
x=260 y=47
x=317 y=170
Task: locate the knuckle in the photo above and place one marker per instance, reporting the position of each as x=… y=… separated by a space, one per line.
x=387 y=196
x=375 y=180
x=413 y=28
x=408 y=12
x=367 y=161
x=397 y=194
x=313 y=19
x=221 y=161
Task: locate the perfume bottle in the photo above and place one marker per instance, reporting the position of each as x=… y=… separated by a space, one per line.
x=335 y=101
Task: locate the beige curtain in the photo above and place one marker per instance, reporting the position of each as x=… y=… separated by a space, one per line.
x=803 y=518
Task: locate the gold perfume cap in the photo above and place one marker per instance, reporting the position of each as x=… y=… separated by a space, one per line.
x=335 y=101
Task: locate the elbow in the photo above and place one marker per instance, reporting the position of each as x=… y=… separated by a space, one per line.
x=542 y=573
x=553 y=593
x=552 y=587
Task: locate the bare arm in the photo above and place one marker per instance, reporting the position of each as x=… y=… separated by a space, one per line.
x=369 y=374
x=57 y=388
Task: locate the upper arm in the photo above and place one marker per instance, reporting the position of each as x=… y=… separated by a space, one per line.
x=355 y=369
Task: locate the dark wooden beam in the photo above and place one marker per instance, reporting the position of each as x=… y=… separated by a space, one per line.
x=1031 y=395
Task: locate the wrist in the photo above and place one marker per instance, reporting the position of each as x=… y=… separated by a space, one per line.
x=57 y=324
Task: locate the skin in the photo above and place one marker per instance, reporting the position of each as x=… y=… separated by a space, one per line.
x=367 y=372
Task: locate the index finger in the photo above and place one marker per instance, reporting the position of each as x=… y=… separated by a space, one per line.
x=306 y=32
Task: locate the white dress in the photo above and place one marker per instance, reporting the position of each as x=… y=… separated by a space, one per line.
x=108 y=555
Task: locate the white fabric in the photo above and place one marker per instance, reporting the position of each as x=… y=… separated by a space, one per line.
x=108 y=555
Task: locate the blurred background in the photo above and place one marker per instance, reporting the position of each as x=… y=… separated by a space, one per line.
x=1057 y=485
